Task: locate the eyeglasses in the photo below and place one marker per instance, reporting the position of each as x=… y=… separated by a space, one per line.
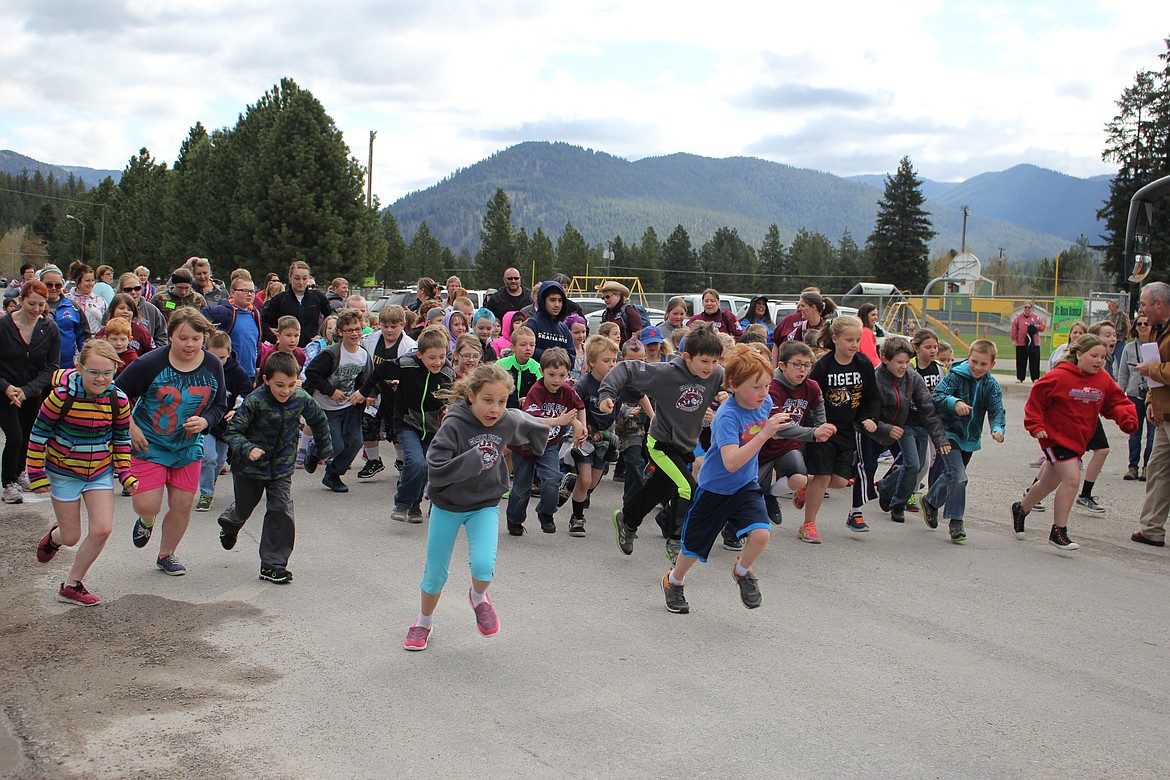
x=54 y=285
x=132 y=289
x=351 y=330
x=798 y=365
x=98 y=374
x=471 y=355
x=241 y=289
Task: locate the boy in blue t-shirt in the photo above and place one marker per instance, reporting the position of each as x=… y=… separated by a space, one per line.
x=728 y=490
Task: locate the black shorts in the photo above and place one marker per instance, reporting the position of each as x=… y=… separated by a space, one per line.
x=742 y=512
x=1099 y=441
x=830 y=457
x=1058 y=454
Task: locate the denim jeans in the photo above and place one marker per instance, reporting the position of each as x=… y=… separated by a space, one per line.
x=949 y=492
x=898 y=484
x=414 y=470
x=1135 y=438
x=548 y=467
x=345 y=430
x=635 y=467
x=215 y=452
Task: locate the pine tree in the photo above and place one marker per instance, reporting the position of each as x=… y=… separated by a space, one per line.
x=424 y=256
x=573 y=254
x=497 y=237
x=196 y=221
x=393 y=271
x=851 y=265
x=900 y=242
x=539 y=257
x=775 y=263
x=680 y=264
x=813 y=261
x=647 y=260
x=730 y=263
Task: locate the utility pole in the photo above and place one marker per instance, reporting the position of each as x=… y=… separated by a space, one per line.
x=964 y=242
x=370 y=172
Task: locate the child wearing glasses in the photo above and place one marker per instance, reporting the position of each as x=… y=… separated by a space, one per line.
x=79 y=443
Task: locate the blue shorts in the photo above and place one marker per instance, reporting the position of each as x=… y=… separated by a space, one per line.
x=70 y=488
x=595 y=459
x=742 y=511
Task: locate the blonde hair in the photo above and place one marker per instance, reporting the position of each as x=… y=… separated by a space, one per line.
x=327 y=324
x=835 y=328
x=219 y=340
x=523 y=330
x=597 y=345
x=1080 y=347
x=983 y=347
x=190 y=316
x=474 y=381
x=288 y=322
x=392 y=315
x=99 y=348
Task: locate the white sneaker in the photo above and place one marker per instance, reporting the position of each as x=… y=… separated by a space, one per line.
x=13 y=494
x=22 y=480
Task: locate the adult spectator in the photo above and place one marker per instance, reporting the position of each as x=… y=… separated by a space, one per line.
x=179 y=293
x=72 y=325
x=30 y=352
x=618 y=309
x=452 y=283
x=309 y=306
x=148 y=314
x=1155 y=307
x=238 y=318
x=28 y=273
x=870 y=331
x=105 y=283
x=722 y=320
x=148 y=288
x=1027 y=328
x=89 y=303
x=813 y=310
x=1120 y=322
x=338 y=292
x=213 y=293
x=262 y=290
x=512 y=297
x=428 y=290
x=757 y=313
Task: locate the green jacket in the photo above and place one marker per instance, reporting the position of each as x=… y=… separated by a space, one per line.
x=261 y=421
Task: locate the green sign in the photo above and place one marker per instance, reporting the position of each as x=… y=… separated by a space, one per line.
x=1065 y=311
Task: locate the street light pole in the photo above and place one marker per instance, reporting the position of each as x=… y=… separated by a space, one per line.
x=78 y=221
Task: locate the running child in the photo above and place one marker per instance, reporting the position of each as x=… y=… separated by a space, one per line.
x=467 y=475
x=263 y=436
x=728 y=493
x=963 y=398
x=520 y=366
x=502 y=344
x=847 y=382
x=117 y=332
x=483 y=323
x=589 y=457
x=388 y=342
x=1062 y=413
x=85 y=409
x=580 y=331
x=181 y=395
x=1099 y=444
x=288 y=339
x=326 y=336
x=215 y=448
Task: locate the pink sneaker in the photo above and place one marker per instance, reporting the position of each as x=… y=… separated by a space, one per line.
x=808 y=533
x=46 y=549
x=485 y=616
x=417 y=637
x=77 y=594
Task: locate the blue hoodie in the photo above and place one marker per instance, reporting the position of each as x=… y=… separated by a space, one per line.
x=551 y=331
x=984 y=396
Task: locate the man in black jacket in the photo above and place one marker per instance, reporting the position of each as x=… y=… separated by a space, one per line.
x=513 y=297
x=309 y=306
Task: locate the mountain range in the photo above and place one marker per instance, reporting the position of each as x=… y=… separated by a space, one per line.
x=16 y=163
x=1027 y=211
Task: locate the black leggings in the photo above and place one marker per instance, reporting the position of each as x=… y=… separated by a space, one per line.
x=1027 y=360
x=17 y=423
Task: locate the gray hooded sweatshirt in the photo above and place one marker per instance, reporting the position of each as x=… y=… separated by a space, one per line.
x=679 y=397
x=465 y=463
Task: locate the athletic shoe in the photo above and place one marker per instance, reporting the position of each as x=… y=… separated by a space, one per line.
x=798 y=498
x=958 y=535
x=227 y=535
x=507 y=494
x=416 y=638
x=1131 y=475
x=749 y=587
x=47 y=549
x=929 y=514
x=141 y=533
x=1142 y=476
x=126 y=492
x=1058 y=537
x=1038 y=506
x=883 y=502
x=334 y=483
x=300 y=464
x=371 y=468
x=13 y=494
x=673 y=548
x=676 y=602
x=515 y=530
x=568 y=482
x=912 y=504
x=23 y=481
x=1018 y=516
x=414 y=516
x=399 y=465
x=898 y=514
x=277 y=574
x=734 y=544
x=856 y=524
x=485 y=616
x=170 y=564
x=773 y=507
x=625 y=539
x=400 y=514
x=576 y=526
x=203 y=504
x=1090 y=503
x=77 y=594
x=1038 y=462
x=808 y=533
x=547 y=524
x=311 y=460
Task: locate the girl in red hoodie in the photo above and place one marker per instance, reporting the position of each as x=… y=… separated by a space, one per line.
x=1061 y=413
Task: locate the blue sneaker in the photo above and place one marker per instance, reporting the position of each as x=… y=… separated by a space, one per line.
x=857 y=524
x=170 y=564
x=141 y=533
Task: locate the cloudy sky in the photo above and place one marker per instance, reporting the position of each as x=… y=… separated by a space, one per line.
x=847 y=87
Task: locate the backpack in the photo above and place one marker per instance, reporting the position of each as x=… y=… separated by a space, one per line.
x=645 y=315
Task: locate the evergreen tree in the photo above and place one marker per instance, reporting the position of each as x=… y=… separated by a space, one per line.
x=195 y=221
x=497 y=241
x=424 y=256
x=573 y=254
x=393 y=271
x=680 y=264
x=135 y=221
x=813 y=261
x=729 y=262
x=775 y=263
x=850 y=262
x=539 y=257
x=899 y=244
x=646 y=257
x=45 y=223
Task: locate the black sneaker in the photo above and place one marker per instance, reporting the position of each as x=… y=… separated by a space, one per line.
x=773 y=507
x=277 y=574
x=733 y=544
x=898 y=514
x=568 y=482
x=334 y=483
x=414 y=516
x=399 y=465
x=663 y=520
x=883 y=502
x=203 y=503
x=929 y=514
x=371 y=468
x=625 y=539
x=311 y=460
x=141 y=533
x=675 y=601
x=1058 y=537
x=227 y=534
x=1018 y=515
x=547 y=524
x=749 y=587
x=958 y=535
x=515 y=530
x=576 y=526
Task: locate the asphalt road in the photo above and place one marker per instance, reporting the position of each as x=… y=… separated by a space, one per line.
x=889 y=654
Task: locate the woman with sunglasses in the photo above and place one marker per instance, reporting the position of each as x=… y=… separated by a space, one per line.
x=72 y=324
x=149 y=315
x=30 y=352
x=1135 y=386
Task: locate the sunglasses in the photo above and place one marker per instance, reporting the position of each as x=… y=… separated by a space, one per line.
x=132 y=289
x=511 y=278
x=54 y=285
x=1142 y=324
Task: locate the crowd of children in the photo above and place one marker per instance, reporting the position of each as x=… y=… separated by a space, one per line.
x=710 y=431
